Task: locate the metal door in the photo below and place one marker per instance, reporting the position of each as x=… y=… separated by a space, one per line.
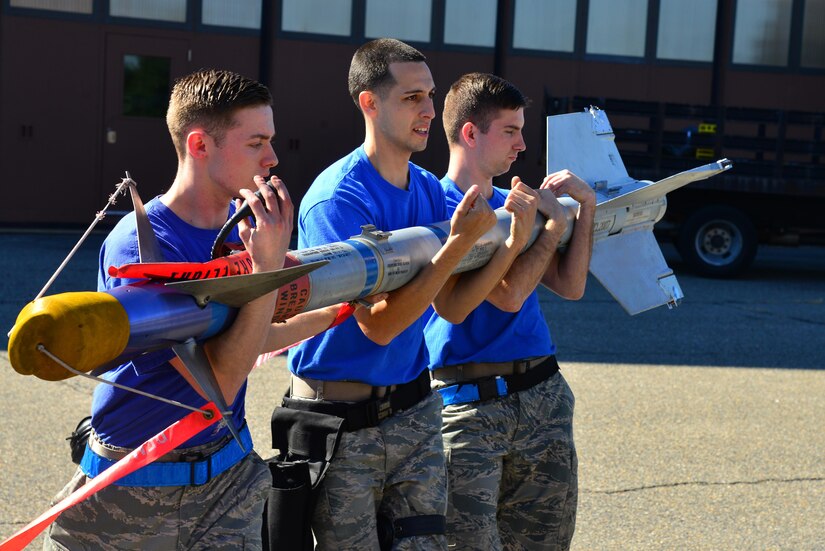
x=140 y=71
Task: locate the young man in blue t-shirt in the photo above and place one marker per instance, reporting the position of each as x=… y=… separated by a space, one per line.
x=221 y=125
x=507 y=419
x=371 y=370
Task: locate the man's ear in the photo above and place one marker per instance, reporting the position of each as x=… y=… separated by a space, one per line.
x=196 y=144
x=367 y=102
x=468 y=133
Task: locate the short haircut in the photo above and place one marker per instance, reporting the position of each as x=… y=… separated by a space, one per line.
x=210 y=99
x=370 y=66
x=477 y=98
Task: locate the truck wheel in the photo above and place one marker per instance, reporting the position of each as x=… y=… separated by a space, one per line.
x=717 y=241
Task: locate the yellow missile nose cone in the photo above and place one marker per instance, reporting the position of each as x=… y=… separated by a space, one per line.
x=85 y=330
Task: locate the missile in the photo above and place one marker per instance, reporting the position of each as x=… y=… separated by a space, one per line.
x=93 y=331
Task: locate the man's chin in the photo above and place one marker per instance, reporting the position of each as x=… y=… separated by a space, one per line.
x=419 y=147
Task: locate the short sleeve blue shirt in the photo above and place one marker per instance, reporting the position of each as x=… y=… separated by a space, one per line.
x=487 y=334
x=344 y=197
x=126 y=419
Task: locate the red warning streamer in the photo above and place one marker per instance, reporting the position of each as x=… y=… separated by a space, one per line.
x=160 y=444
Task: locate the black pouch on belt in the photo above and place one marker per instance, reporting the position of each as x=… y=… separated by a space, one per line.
x=307 y=442
x=79 y=437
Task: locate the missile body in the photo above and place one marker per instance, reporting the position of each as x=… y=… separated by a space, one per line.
x=376 y=262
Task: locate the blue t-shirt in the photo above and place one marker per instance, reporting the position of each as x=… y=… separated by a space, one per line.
x=344 y=197
x=487 y=334
x=126 y=419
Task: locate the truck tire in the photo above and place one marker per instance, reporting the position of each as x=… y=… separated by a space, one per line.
x=717 y=241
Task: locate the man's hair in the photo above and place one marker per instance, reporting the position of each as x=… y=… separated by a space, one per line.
x=370 y=66
x=477 y=98
x=210 y=99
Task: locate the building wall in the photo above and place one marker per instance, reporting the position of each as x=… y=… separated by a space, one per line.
x=60 y=92
x=59 y=95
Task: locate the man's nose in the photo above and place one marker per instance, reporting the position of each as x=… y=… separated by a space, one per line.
x=429 y=109
x=271 y=160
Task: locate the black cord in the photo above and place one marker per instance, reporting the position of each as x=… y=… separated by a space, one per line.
x=244 y=211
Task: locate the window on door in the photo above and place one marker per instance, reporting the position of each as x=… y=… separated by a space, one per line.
x=146 y=85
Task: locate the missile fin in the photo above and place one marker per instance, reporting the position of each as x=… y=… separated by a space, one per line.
x=584 y=144
x=194 y=359
x=237 y=290
x=666 y=185
x=148 y=246
x=631 y=267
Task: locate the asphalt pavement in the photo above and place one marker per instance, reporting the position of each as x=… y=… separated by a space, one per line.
x=699 y=427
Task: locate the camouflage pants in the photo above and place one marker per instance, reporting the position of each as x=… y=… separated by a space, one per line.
x=396 y=469
x=225 y=513
x=512 y=470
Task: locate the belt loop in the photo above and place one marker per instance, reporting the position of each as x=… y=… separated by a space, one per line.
x=487 y=388
x=424 y=383
x=319 y=390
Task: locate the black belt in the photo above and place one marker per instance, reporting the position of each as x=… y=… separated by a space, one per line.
x=478 y=390
x=370 y=412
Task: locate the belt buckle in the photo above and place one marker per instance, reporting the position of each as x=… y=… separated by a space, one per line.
x=191 y=457
x=521 y=367
x=378 y=410
x=384 y=408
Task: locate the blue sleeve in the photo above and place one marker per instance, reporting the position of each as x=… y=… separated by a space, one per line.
x=119 y=248
x=332 y=220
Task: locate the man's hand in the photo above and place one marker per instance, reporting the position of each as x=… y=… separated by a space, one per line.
x=473 y=216
x=268 y=241
x=567 y=273
x=370 y=301
x=565 y=182
x=522 y=202
x=550 y=207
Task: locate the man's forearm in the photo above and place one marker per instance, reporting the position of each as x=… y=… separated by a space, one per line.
x=569 y=278
x=233 y=352
x=464 y=292
x=526 y=272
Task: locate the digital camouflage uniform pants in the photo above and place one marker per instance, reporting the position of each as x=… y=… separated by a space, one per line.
x=223 y=514
x=396 y=469
x=512 y=470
